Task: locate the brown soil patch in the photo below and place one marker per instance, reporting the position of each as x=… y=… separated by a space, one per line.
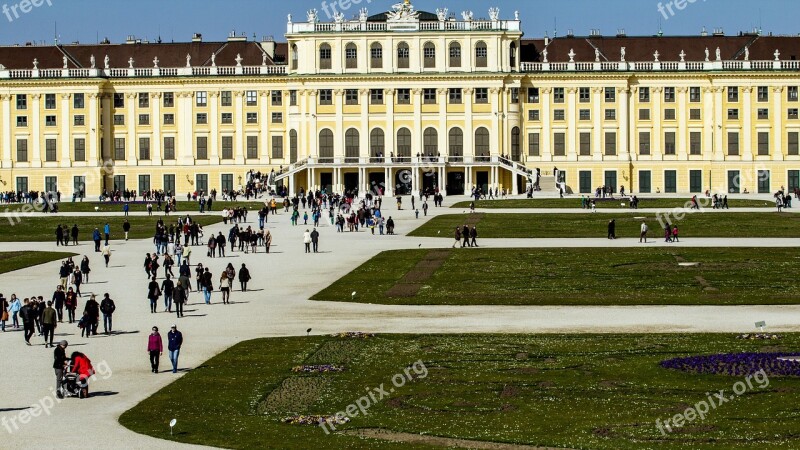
x=706 y=285
x=473 y=219
x=529 y=370
x=510 y=390
x=603 y=432
x=609 y=384
x=547 y=384
x=521 y=356
x=437 y=441
x=412 y=281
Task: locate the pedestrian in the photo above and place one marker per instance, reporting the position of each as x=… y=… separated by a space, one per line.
x=667 y=233
x=26 y=313
x=244 y=277
x=473 y=234
x=58 y=302
x=92 y=308
x=59 y=365
x=107 y=307
x=85 y=269
x=457 y=235
x=208 y=285
x=675 y=233
x=155 y=348
x=107 y=231
x=612 y=229
x=3 y=313
x=307 y=241
x=174 y=343
x=77 y=279
x=179 y=297
x=315 y=239
x=643 y=235
x=74 y=233
x=71 y=304
x=167 y=288
x=49 y=324
x=106 y=253
x=126 y=227
x=225 y=288
x=96 y=239
x=14 y=307
x=153 y=292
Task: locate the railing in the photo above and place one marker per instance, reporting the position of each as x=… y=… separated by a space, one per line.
x=445 y=25
x=654 y=66
x=201 y=71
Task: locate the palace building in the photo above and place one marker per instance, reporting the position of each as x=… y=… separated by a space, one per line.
x=403 y=100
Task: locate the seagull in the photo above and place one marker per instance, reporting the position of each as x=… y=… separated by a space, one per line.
x=420 y=246
x=353 y=294
x=308 y=331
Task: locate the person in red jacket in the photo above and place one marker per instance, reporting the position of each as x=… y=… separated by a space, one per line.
x=155 y=348
x=82 y=366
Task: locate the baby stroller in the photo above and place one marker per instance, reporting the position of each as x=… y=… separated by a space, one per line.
x=76 y=378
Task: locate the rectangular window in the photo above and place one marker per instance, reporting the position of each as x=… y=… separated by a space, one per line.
x=763 y=113
x=376 y=57
x=763 y=143
x=226 y=98
x=144 y=148
x=22 y=102
x=144 y=119
x=585 y=181
x=277 y=98
x=325 y=58
x=277 y=117
x=791 y=94
x=227 y=182
x=481 y=95
x=644 y=114
x=611 y=114
x=669 y=94
x=794 y=180
x=733 y=94
x=22 y=121
x=429 y=96
x=376 y=96
x=49 y=101
x=79 y=120
x=559 y=144
x=558 y=95
x=533 y=95
x=144 y=184
x=694 y=95
x=514 y=96
x=792 y=114
x=533 y=115
x=644 y=94
x=227 y=147
x=119 y=100
x=558 y=115
x=694 y=114
x=610 y=95
x=763 y=94
x=252 y=117
x=404 y=96
x=292 y=98
x=50 y=150
x=119 y=182
x=533 y=144
x=169 y=99
x=584 y=95
x=202 y=118
x=695 y=181
x=51 y=184
x=733 y=143
x=169 y=119
x=585 y=147
x=351 y=96
x=645 y=181
x=22 y=150
x=277 y=147
x=144 y=100
x=764 y=182
x=202 y=147
x=252 y=147
x=119 y=119
x=454 y=96
x=733 y=114
x=79 y=185
x=169 y=148
x=669 y=143
x=644 y=142
x=585 y=114
x=669 y=114
x=79 y=101
x=351 y=57
x=201 y=182
x=252 y=98
x=202 y=98
x=734 y=181
x=611 y=143
x=119 y=149
x=227 y=118
x=670 y=181
x=792 y=143
x=80 y=149
x=695 y=143
x=50 y=121
x=325 y=97
x=22 y=184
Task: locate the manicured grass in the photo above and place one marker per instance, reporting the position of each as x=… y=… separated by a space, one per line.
x=116 y=207
x=43 y=229
x=11 y=261
x=580 y=276
x=707 y=224
x=575 y=202
x=565 y=391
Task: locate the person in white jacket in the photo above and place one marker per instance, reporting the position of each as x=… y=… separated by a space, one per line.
x=307 y=241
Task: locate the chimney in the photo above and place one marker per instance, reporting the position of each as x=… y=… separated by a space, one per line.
x=197 y=37
x=268 y=45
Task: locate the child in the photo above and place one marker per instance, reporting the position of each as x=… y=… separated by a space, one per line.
x=417 y=213
x=675 y=233
x=83 y=324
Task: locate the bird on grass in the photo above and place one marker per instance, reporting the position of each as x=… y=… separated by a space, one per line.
x=308 y=331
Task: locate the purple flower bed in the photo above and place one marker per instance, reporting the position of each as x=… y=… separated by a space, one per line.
x=736 y=364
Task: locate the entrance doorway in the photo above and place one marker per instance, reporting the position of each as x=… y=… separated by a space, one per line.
x=326 y=181
x=455 y=183
x=351 y=183
x=430 y=181
x=482 y=181
x=402 y=182
x=377 y=183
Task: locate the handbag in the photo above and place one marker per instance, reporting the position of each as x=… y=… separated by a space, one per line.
x=4 y=316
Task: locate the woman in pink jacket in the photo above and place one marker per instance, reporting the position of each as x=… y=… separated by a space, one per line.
x=155 y=348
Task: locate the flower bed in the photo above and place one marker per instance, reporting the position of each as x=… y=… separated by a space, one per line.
x=321 y=368
x=315 y=420
x=353 y=335
x=738 y=364
x=759 y=337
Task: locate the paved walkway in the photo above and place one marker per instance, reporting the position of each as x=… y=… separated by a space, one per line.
x=278 y=306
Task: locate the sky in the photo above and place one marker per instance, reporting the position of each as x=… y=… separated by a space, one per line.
x=88 y=21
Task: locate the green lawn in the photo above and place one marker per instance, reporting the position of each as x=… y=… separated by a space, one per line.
x=588 y=225
x=43 y=229
x=11 y=261
x=581 y=276
x=116 y=207
x=566 y=391
x=575 y=202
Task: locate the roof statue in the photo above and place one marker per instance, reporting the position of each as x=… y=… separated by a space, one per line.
x=494 y=13
x=402 y=12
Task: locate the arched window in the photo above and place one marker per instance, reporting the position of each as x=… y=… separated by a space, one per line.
x=292 y=146
x=351 y=56
x=295 y=57
x=513 y=56
x=377 y=144
x=481 y=55
x=351 y=146
x=326 y=146
x=482 y=144
x=515 y=150
x=324 y=56
x=430 y=142
x=403 y=56
x=456 y=143
x=376 y=56
x=429 y=55
x=455 y=54
x=404 y=144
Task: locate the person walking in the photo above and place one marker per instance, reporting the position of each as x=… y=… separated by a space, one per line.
x=473 y=234
x=174 y=343
x=126 y=227
x=85 y=269
x=225 y=288
x=643 y=233
x=26 y=313
x=107 y=231
x=307 y=241
x=244 y=277
x=155 y=348
x=675 y=233
x=96 y=239
x=208 y=285
x=77 y=280
x=58 y=302
x=49 y=324
x=612 y=229
x=71 y=304
x=457 y=235
x=153 y=292
x=179 y=297
x=107 y=307
x=3 y=313
x=59 y=365
x=315 y=239
x=74 y=233
x=107 y=253
x=167 y=288
x=14 y=307
x=92 y=308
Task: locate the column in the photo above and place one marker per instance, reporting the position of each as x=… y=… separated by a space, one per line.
x=94 y=129
x=313 y=132
x=363 y=135
x=597 y=119
x=469 y=128
x=133 y=142
x=108 y=128
x=213 y=121
x=157 y=139
x=442 y=102
x=390 y=133
x=547 y=126
x=747 y=124
x=265 y=155
x=572 y=154
x=36 y=157
x=416 y=132
x=338 y=133
x=656 y=139
x=66 y=158
x=716 y=127
x=302 y=136
x=494 y=98
x=6 y=99
x=778 y=112
x=238 y=119
x=624 y=122
x=682 y=114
